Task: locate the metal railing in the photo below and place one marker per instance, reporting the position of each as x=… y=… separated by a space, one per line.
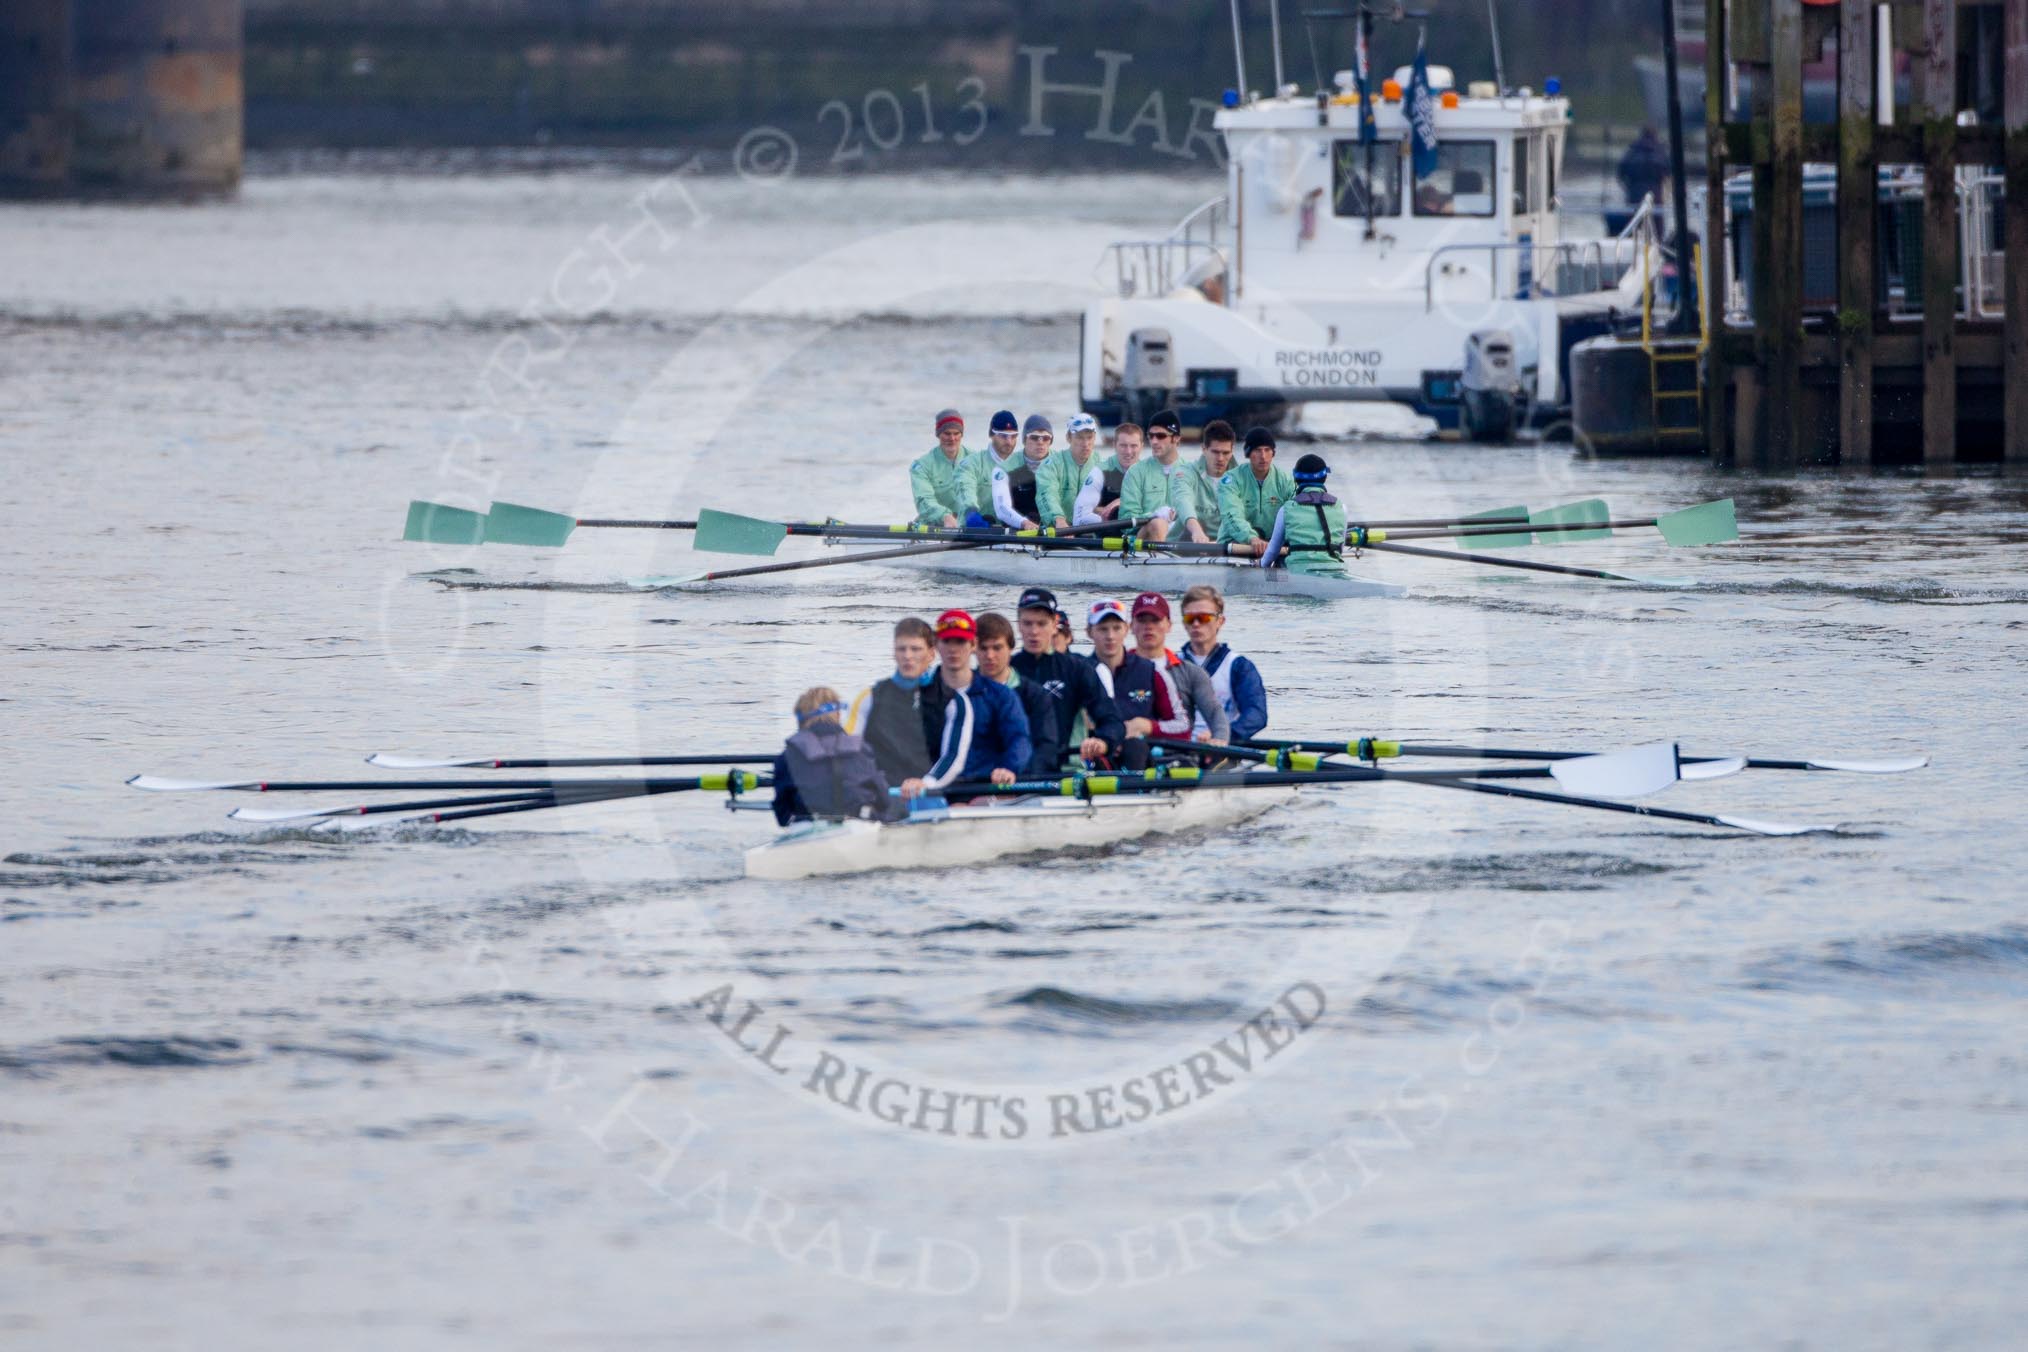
x=1567 y=268
x=1155 y=267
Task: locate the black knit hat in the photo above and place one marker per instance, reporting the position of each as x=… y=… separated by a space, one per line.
x=1259 y=436
x=1168 y=422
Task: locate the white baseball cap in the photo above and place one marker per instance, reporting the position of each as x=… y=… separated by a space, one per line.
x=1107 y=609
x=1080 y=422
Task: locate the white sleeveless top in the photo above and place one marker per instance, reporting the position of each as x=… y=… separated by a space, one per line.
x=1219 y=668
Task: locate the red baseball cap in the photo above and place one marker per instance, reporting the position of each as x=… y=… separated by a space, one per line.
x=957 y=624
x=1151 y=603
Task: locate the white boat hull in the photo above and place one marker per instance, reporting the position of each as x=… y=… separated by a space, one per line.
x=1126 y=577
x=975 y=835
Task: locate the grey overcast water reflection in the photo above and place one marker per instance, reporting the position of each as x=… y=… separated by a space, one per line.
x=1577 y=1080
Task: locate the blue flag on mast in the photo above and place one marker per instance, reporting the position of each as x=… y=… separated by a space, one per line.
x=1422 y=136
x=1368 y=132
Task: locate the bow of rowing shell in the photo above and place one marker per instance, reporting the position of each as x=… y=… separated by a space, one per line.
x=974 y=835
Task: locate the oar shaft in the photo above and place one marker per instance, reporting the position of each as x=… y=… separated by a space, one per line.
x=1530 y=565
x=616 y=762
x=1462 y=532
x=1603 y=804
x=747 y=777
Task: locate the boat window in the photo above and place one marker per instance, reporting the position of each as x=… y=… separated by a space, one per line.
x=1462 y=183
x=1350 y=188
x=1555 y=144
x=1524 y=147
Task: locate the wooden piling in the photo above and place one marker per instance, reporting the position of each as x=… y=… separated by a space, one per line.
x=1940 y=233
x=1858 y=210
x=1781 y=310
x=2014 y=361
x=1718 y=439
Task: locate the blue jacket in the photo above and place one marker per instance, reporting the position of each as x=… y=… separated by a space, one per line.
x=984 y=729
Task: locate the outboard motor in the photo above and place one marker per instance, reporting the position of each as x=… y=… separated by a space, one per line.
x=1494 y=397
x=1150 y=376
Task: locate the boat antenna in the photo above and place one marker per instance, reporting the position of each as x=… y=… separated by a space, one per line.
x=1275 y=37
x=1316 y=62
x=1499 y=67
x=1238 y=51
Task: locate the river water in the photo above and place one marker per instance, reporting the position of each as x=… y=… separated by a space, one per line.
x=1532 y=1076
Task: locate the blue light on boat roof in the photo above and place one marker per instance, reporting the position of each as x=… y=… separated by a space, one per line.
x=1230 y=98
x=1552 y=86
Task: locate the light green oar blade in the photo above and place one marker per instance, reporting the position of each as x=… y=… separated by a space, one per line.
x=434 y=523
x=1572 y=514
x=1710 y=523
x=1501 y=541
x=511 y=524
x=730 y=533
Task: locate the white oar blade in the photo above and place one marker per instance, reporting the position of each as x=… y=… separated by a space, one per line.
x=1900 y=765
x=1619 y=774
x=157 y=784
x=392 y=762
x=284 y=814
x=1713 y=769
x=1761 y=828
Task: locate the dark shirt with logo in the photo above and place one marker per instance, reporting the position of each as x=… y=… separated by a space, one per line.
x=1074 y=686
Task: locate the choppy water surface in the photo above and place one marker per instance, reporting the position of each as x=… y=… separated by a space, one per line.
x=1577 y=1080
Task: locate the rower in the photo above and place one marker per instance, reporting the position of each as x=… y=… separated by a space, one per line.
x=1203 y=478
x=889 y=715
x=1153 y=491
x=1003 y=451
x=1127 y=443
x=1250 y=497
x=1070 y=681
x=1200 y=699
x=825 y=771
x=984 y=731
x=939 y=479
x=1143 y=693
x=1311 y=517
x=1070 y=484
x=996 y=653
x=1241 y=692
x=1015 y=488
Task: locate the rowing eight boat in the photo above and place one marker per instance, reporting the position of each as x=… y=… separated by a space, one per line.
x=973 y=835
x=1015 y=566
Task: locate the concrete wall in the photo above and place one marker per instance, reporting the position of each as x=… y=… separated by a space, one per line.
x=35 y=95
x=127 y=97
x=159 y=95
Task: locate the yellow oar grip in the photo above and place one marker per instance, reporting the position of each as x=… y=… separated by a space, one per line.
x=726 y=779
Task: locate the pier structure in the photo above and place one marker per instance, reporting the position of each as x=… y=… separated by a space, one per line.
x=132 y=98
x=1876 y=307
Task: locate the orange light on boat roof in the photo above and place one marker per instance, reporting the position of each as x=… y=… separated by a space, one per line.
x=1391 y=91
x=1450 y=99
